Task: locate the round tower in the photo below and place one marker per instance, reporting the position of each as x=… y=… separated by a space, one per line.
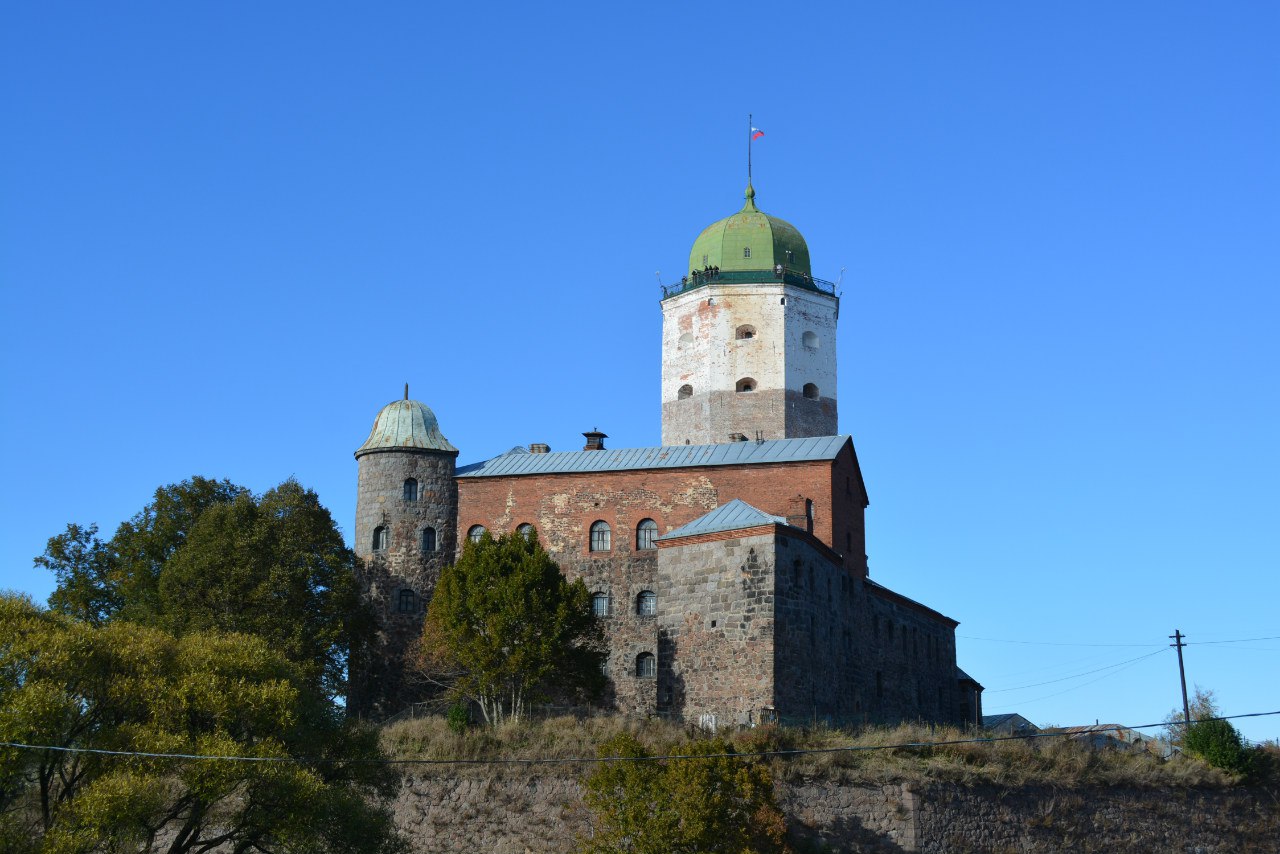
x=406 y=521
x=748 y=337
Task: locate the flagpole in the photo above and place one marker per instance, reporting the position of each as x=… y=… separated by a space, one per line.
x=749 y=126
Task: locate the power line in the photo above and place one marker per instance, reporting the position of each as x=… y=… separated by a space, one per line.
x=1053 y=643
x=851 y=748
x=1074 y=676
x=1237 y=640
x=1083 y=684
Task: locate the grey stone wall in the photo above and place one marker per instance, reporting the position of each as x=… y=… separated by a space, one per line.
x=911 y=659
x=713 y=416
x=768 y=622
x=623 y=577
x=715 y=622
x=378 y=684
x=535 y=813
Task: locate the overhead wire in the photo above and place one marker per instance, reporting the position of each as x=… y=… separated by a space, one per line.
x=804 y=751
x=1074 y=676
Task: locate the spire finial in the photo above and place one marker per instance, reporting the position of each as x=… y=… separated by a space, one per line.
x=406 y=391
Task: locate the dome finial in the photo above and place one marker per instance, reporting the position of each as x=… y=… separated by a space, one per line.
x=406 y=391
x=750 y=196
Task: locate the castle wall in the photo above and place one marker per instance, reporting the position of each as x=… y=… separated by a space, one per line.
x=563 y=506
x=791 y=346
x=716 y=627
x=531 y=813
x=379 y=686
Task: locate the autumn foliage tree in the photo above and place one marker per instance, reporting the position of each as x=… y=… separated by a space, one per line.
x=506 y=629
x=69 y=688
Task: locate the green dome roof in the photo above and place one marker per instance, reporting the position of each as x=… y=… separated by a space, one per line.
x=767 y=239
x=406 y=425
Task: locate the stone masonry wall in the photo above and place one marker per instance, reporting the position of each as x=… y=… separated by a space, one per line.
x=716 y=628
x=403 y=567
x=536 y=813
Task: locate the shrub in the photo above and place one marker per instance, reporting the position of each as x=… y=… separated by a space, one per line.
x=1218 y=743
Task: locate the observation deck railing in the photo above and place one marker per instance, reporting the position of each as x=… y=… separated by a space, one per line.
x=783 y=275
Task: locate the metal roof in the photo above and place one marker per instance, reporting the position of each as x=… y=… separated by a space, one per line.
x=662 y=457
x=405 y=424
x=730 y=516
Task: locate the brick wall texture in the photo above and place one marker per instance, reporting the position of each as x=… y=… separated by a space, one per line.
x=768 y=623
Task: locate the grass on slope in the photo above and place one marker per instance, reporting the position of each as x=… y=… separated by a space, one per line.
x=1045 y=761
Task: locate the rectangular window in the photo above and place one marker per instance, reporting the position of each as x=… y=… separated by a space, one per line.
x=746 y=252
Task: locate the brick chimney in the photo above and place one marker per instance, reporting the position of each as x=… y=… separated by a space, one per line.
x=539 y=448
x=800 y=513
x=595 y=440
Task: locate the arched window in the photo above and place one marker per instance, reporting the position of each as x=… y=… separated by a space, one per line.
x=811 y=391
x=685 y=392
x=746 y=252
x=525 y=530
x=600 y=604
x=408 y=602
x=686 y=340
x=647 y=534
x=646 y=666
x=746 y=384
x=379 y=539
x=410 y=489
x=647 y=603
x=811 y=340
x=601 y=536
x=475 y=532
x=428 y=539
x=745 y=332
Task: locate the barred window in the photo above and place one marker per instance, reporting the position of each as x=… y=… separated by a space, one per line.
x=646 y=666
x=410 y=489
x=600 y=604
x=647 y=535
x=428 y=539
x=601 y=536
x=379 y=539
x=475 y=532
x=647 y=603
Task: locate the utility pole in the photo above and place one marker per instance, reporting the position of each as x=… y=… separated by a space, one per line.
x=1177 y=638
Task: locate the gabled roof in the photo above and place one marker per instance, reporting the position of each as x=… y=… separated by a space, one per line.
x=661 y=457
x=731 y=516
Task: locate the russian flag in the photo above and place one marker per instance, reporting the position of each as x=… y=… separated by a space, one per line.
x=756 y=133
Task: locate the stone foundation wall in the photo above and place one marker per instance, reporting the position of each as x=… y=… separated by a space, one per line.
x=531 y=813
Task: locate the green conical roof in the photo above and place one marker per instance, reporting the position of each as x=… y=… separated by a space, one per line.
x=406 y=425
x=769 y=241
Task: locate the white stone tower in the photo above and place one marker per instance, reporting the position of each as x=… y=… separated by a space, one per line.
x=406 y=531
x=748 y=337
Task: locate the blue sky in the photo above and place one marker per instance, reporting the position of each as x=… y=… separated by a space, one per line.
x=230 y=232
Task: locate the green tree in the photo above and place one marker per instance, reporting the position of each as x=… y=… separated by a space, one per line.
x=715 y=802
x=65 y=683
x=207 y=554
x=275 y=567
x=505 y=629
x=99 y=581
x=1219 y=743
